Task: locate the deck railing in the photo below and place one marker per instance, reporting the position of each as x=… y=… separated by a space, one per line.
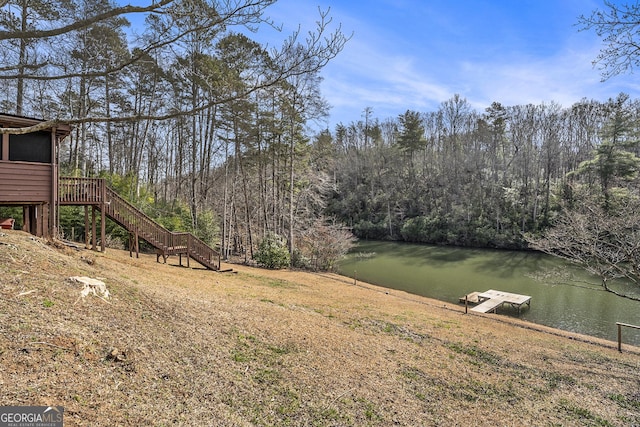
x=94 y=191
x=81 y=191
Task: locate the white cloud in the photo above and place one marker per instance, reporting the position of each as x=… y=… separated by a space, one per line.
x=391 y=68
x=365 y=77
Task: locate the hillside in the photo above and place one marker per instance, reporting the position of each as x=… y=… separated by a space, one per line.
x=178 y=346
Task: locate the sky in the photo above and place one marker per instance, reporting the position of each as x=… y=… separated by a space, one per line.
x=415 y=54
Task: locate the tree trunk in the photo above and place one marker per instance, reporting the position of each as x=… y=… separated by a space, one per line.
x=291 y=192
x=21 y=61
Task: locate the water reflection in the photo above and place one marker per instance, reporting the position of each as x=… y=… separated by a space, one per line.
x=563 y=296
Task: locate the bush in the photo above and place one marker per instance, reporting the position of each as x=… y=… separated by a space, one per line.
x=425 y=229
x=207 y=229
x=300 y=260
x=322 y=245
x=368 y=230
x=273 y=252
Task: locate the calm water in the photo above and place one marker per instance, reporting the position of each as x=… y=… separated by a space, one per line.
x=563 y=296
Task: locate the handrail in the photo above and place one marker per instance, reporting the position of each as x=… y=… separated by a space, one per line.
x=94 y=191
x=135 y=220
x=202 y=252
x=620 y=325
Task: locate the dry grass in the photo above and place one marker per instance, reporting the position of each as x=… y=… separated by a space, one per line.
x=178 y=346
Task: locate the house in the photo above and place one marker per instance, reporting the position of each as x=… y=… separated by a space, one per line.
x=29 y=178
x=29 y=172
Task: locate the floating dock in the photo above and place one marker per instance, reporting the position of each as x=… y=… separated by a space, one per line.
x=491 y=300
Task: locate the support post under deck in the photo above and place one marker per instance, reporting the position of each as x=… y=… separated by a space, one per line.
x=94 y=240
x=86 y=226
x=103 y=231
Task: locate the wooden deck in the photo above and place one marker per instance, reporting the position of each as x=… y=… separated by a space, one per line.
x=491 y=300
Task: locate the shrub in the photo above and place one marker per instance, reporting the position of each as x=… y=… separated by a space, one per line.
x=300 y=260
x=323 y=244
x=425 y=229
x=273 y=252
x=370 y=230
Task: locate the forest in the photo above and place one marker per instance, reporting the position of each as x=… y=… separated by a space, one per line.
x=211 y=132
x=457 y=176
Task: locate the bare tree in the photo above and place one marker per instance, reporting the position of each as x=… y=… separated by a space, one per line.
x=617 y=25
x=605 y=244
x=296 y=57
x=323 y=244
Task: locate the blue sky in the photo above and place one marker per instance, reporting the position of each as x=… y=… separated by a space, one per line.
x=415 y=54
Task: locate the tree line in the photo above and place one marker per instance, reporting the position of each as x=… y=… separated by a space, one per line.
x=457 y=176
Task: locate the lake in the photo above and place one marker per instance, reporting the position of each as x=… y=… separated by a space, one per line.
x=563 y=295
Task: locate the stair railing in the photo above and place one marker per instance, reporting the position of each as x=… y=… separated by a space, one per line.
x=94 y=191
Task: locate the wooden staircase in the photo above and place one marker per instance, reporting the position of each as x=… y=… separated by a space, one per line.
x=95 y=192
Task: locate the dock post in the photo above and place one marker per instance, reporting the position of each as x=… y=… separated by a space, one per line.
x=466 y=304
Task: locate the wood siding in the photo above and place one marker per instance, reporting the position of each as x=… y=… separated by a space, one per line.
x=25 y=182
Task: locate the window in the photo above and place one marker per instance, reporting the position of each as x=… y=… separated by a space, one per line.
x=30 y=147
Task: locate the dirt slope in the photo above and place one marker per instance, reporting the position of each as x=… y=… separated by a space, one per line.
x=178 y=346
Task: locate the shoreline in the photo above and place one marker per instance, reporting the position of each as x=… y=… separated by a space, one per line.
x=444 y=305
